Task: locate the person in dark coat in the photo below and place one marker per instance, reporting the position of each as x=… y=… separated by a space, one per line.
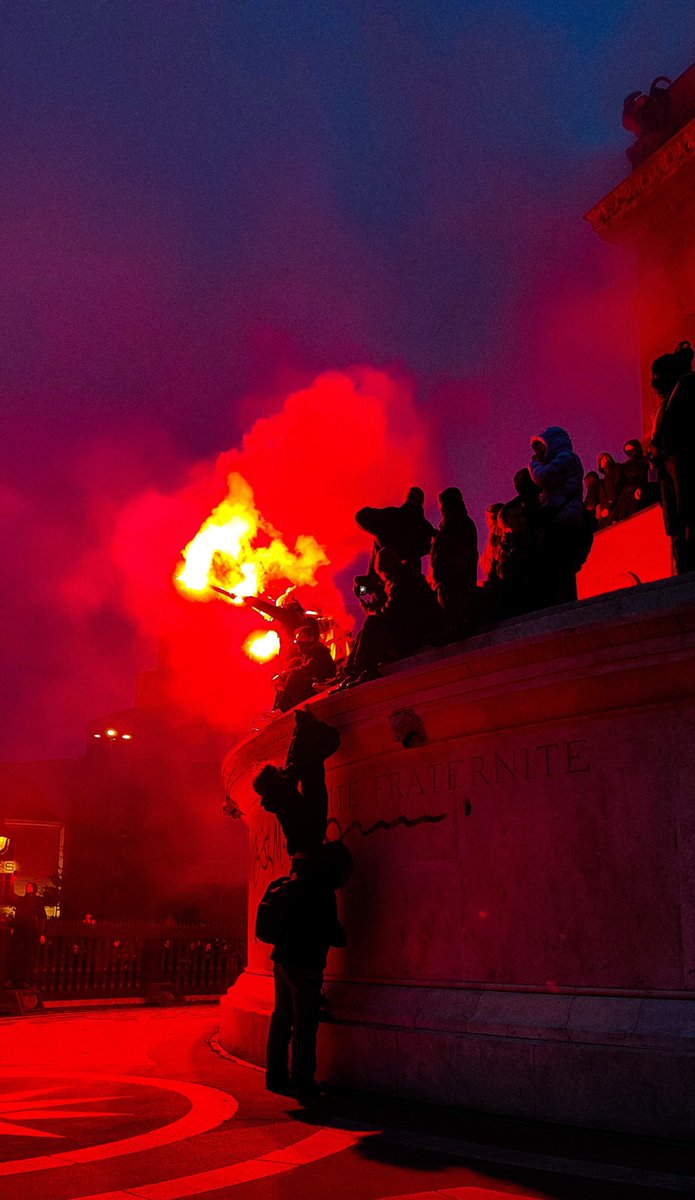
x=636 y=491
x=409 y=618
x=405 y=530
x=27 y=931
x=559 y=473
x=673 y=449
x=313 y=664
x=610 y=489
x=520 y=566
x=308 y=927
x=528 y=495
x=454 y=563
x=296 y=794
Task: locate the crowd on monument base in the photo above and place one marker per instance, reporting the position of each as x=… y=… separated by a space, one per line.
x=536 y=544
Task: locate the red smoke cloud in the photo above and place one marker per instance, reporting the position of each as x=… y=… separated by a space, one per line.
x=351 y=438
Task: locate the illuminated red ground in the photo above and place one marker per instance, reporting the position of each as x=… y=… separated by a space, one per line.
x=116 y=1104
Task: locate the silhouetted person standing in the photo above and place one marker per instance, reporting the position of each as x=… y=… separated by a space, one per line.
x=489 y=557
x=520 y=582
x=673 y=450
x=592 y=492
x=454 y=562
x=610 y=489
x=28 y=927
x=636 y=492
x=299 y=917
x=405 y=530
x=559 y=473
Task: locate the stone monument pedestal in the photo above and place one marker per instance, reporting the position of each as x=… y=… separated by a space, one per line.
x=522 y=913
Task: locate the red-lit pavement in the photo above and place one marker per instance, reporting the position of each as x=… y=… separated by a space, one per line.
x=116 y=1104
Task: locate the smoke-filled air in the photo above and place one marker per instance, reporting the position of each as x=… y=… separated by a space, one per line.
x=273 y=263
x=277 y=511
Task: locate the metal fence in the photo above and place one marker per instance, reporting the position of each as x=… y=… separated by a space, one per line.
x=123 y=959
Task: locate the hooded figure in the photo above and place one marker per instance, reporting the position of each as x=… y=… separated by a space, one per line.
x=637 y=492
x=454 y=560
x=559 y=473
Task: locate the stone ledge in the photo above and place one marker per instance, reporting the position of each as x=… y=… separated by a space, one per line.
x=651 y=622
x=629 y=1021
x=634 y=1084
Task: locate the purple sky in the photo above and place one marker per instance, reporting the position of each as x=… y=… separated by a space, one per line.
x=205 y=205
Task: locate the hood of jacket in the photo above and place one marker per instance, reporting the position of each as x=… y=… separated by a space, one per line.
x=556 y=440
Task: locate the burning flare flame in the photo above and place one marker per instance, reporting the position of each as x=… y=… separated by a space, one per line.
x=223 y=553
x=262 y=646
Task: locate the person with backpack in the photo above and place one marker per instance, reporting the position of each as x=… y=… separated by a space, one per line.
x=298 y=916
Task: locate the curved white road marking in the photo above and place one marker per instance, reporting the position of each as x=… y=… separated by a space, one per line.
x=209 y=1108
x=299 y=1154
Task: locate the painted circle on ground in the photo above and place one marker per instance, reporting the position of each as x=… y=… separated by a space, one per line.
x=78 y=1117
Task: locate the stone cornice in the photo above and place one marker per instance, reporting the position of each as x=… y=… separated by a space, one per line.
x=629 y=197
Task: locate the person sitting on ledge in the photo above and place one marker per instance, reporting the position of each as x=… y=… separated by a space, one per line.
x=298 y=916
x=296 y=794
x=287 y=617
x=312 y=664
x=409 y=618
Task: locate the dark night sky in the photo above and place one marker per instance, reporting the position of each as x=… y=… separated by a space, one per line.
x=207 y=204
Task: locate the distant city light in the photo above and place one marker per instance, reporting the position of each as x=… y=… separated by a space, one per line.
x=112 y=733
x=127 y=737
x=97 y=735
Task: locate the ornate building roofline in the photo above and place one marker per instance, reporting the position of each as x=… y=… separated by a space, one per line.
x=612 y=217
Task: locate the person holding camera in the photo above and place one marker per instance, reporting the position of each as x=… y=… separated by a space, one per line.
x=403 y=529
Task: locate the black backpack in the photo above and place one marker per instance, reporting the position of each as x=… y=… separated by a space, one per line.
x=273 y=912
